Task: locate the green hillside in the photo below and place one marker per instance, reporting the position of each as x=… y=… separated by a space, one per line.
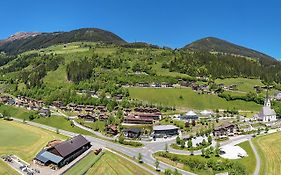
x=44 y=40
x=58 y=72
x=186 y=98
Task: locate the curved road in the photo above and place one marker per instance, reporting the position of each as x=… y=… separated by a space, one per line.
x=258 y=160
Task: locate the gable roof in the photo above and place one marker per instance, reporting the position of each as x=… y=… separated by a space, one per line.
x=67 y=147
x=267 y=111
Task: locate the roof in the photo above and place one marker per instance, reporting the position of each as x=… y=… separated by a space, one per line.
x=267 y=111
x=164 y=127
x=190 y=113
x=52 y=157
x=41 y=158
x=224 y=125
x=134 y=130
x=45 y=156
x=67 y=147
x=205 y=112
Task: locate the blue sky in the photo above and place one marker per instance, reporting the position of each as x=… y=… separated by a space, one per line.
x=252 y=23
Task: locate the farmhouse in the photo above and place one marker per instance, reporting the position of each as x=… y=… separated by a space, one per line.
x=225 y=129
x=164 y=131
x=63 y=153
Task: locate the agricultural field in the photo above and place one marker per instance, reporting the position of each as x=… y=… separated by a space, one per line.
x=107 y=164
x=269 y=149
x=83 y=165
x=26 y=142
x=112 y=164
x=186 y=98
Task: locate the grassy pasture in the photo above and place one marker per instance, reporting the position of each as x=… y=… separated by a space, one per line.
x=250 y=161
x=83 y=165
x=6 y=169
x=22 y=140
x=269 y=149
x=190 y=99
x=54 y=121
x=243 y=84
x=112 y=164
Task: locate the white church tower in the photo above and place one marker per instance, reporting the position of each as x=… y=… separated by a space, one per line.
x=267 y=114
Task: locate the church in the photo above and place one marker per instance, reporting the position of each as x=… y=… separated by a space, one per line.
x=266 y=114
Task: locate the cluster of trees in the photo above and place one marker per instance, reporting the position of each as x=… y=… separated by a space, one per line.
x=250 y=96
x=40 y=66
x=122 y=141
x=4 y=59
x=79 y=70
x=223 y=66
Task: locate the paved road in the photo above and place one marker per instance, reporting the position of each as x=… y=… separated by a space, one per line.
x=131 y=152
x=258 y=160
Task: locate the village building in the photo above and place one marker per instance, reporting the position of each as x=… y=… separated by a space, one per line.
x=45 y=112
x=58 y=104
x=131 y=119
x=277 y=95
x=88 y=117
x=112 y=129
x=164 y=131
x=225 y=129
x=267 y=114
x=206 y=113
x=132 y=132
x=189 y=116
x=63 y=153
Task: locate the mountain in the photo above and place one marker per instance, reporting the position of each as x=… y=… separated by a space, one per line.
x=19 y=36
x=211 y=44
x=22 y=42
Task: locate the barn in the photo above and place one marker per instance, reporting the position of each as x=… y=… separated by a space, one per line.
x=63 y=153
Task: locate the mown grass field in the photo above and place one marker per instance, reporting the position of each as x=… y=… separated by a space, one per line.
x=112 y=164
x=269 y=149
x=6 y=169
x=83 y=165
x=186 y=98
x=22 y=140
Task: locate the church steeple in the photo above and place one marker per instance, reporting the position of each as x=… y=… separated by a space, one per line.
x=267 y=100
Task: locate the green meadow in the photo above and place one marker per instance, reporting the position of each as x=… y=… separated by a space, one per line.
x=187 y=98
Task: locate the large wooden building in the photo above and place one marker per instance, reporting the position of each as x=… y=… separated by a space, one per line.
x=63 y=153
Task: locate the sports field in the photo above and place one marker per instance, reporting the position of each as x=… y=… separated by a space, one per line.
x=187 y=98
x=22 y=140
x=269 y=149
